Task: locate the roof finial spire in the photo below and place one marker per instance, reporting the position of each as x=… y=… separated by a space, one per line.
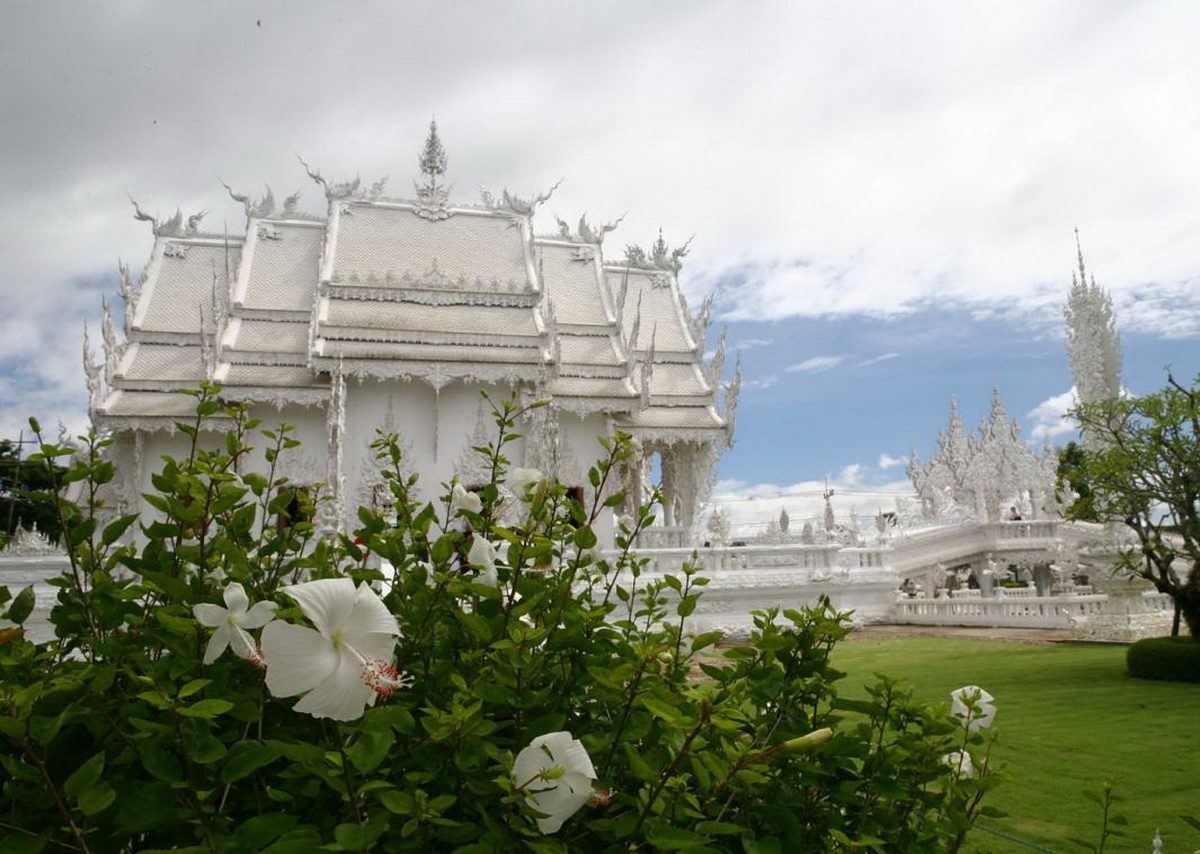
x=432 y=196
x=1079 y=254
x=432 y=159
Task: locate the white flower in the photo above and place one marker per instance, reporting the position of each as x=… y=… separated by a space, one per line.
x=973 y=706
x=483 y=555
x=231 y=623
x=463 y=499
x=961 y=762
x=344 y=663
x=520 y=480
x=555 y=773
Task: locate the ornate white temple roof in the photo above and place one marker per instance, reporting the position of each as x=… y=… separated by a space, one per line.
x=415 y=289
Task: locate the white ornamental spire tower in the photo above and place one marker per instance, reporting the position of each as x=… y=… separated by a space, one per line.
x=1093 y=344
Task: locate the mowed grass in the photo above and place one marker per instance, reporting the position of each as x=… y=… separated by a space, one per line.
x=1068 y=719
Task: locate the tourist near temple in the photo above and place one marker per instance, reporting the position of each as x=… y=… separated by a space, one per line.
x=395 y=313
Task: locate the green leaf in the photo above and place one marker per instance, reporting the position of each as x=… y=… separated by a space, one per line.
x=665 y=837
x=192 y=687
x=352 y=837
x=22 y=606
x=162 y=764
x=371 y=748
x=146 y=808
x=245 y=758
x=97 y=799
x=206 y=709
x=255 y=833
x=706 y=639
x=295 y=842
x=687 y=605
x=81 y=532
x=660 y=709
x=401 y=803
x=637 y=764
x=85 y=776
x=113 y=531
x=719 y=828
x=585 y=538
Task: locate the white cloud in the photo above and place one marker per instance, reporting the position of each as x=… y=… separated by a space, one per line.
x=877 y=359
x=750 y=343
x=762 y=382
x=751 y=506
x=1050 y=419
x=815 y=365
x=830 y=162
x=887 y=461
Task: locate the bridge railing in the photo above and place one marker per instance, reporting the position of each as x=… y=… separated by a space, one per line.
x=1044 y=612
x=1022 y=530
x=716 y=560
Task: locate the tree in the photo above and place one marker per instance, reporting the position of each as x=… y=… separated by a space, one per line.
x=26 y=494
x=1144 y=472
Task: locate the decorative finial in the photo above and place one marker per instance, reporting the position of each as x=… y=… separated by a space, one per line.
x=432 y=160
x=91 y=371
x=1079 y=254
x=332 y=191
x=432 y=196
x=731 y=400
x=193 y=222
x=237 y=197
x=140 y=214
x=523 y=207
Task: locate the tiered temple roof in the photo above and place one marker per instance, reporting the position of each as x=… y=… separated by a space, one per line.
x=414 y=289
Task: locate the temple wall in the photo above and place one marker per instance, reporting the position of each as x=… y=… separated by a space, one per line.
x=581 y=438
x=305 y=465
x=436 y=429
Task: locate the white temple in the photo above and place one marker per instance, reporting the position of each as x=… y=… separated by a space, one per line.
x=396 y=313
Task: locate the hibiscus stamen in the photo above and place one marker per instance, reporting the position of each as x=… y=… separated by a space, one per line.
x=383 y=678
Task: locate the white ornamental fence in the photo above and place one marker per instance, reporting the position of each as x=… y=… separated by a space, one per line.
x=1010 y=611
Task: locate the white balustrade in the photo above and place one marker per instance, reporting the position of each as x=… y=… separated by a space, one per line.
x=1048 y=612
x=1159 y=601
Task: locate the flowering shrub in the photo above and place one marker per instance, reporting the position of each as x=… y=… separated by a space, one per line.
x=463 y=675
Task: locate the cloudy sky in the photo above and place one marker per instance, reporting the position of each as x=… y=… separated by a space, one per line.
x=883 y=196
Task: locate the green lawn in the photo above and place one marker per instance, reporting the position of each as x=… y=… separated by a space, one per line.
x=1068 y=719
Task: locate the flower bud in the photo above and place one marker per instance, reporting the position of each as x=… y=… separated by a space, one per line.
x=804 y=742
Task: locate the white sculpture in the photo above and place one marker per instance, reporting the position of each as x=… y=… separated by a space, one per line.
x=1093 y=343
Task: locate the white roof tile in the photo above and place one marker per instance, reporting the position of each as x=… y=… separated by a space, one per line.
x=267 y=336
x=662 y=321
x=402 y=317
x=164 y=363
x=486 y=251
x=588 y=350
x=572 y=283
x=181 y=280
x=134 y=404
x=429 y=352
x=283 y=267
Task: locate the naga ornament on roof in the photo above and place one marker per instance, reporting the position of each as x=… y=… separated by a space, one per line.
x=660 y=256
x=264 y=207
x=587 y=234
x=344 y=190
x=173 y=227
x=511 y=203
